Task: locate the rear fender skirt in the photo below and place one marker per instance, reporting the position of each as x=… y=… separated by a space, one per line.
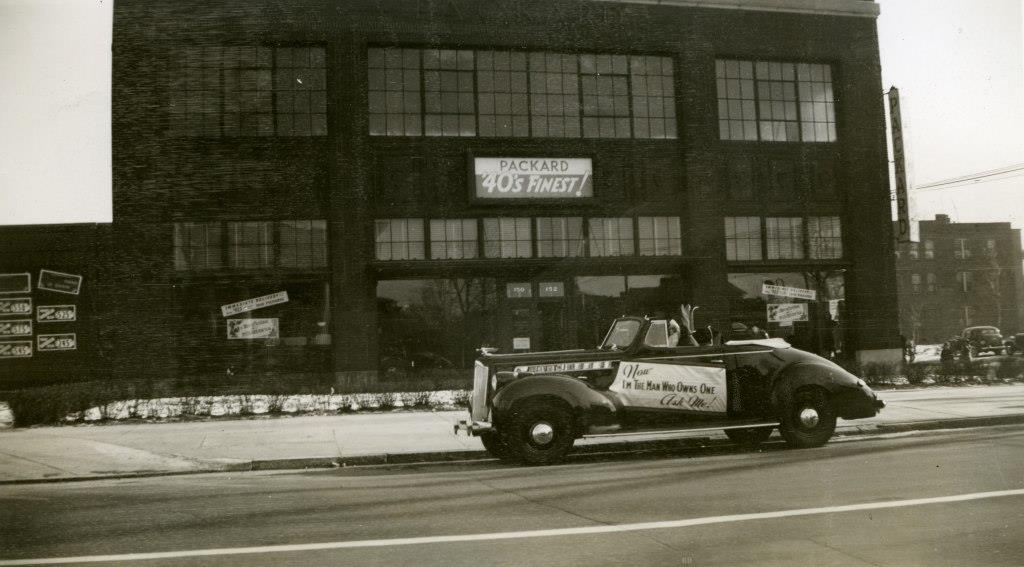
x=589 y=406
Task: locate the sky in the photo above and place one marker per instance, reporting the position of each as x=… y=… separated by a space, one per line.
x=959 y=66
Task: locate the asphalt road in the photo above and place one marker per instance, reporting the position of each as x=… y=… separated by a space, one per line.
x=939 y=498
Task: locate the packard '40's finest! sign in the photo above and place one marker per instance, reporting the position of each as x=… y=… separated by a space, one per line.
x=533 y=178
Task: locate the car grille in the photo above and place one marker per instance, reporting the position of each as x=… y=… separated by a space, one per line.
x=479 y=399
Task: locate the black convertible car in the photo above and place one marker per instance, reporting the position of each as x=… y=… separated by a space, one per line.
x=530 y=408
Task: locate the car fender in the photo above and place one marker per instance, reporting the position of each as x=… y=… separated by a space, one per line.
x=589 y=406
x=801 y=374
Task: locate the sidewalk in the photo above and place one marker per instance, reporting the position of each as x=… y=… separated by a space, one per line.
x=98 y=451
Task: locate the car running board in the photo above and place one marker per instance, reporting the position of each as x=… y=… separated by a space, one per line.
x=708 y=427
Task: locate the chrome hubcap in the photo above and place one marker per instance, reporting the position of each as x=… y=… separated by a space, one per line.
x=542 y=433
x=809 y=417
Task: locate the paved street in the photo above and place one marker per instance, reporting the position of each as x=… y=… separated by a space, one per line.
x=882 y=500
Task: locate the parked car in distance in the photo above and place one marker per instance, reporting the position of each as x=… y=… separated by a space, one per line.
x=1014 y=344
x=973 y=341
x=531 y=407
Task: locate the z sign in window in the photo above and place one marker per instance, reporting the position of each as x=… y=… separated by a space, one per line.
x=63 y=341
x=15 y=349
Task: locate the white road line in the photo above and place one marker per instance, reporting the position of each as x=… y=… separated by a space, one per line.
x=589 y=530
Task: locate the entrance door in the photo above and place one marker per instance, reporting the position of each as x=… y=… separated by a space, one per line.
x=554 y=331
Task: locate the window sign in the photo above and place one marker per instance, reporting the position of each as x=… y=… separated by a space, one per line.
x=786 y=313
x=519 y=290
x=786 y=291
x=16 y=306
x=532 y=178
x=16 y=328
x=15 y=283
x=62 y=341
x=253 y=328
x=59 y=282
x=56 y=313
x=15 y=349
x=521 y=343
x=551 y=289
x=254 y=303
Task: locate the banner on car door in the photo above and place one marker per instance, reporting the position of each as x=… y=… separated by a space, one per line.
x=671 y=386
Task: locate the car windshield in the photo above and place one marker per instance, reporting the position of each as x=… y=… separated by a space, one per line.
x=989 y=331
x=622 y=334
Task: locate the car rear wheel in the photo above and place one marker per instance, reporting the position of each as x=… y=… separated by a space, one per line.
x=809 y=420
x=541 y=432
x=749 y=437
x=496 y=446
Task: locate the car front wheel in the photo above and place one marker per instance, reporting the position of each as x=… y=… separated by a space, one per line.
x=496 y=446
x=541 y=432
x=809 y=420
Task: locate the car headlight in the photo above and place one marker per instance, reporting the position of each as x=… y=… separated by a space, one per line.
x=494 y=382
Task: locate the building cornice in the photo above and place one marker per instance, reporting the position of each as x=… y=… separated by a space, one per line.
x=855 y=8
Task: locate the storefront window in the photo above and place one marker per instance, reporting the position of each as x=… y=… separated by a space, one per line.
x=816 y=326
x=293 y=335
x=742 y=238
x=434 y=324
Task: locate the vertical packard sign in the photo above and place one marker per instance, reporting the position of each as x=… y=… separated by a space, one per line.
x=900 y=166
x=532 y=178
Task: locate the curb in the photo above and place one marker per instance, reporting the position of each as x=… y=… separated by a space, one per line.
x=433 y=457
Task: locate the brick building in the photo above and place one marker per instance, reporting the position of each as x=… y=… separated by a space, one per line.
x=422 y=178
x=957 y=275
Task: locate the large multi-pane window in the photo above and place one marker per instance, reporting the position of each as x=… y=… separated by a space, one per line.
x=526 y=237
x=611 y=236
x=654 y=101
x=303 y=243
x=743 y=238
x=248 y=91
x=824 y=238
x=502 y=94
x=775 y=101
x=507 y=237
x=961 y=249
x=784 y=237
x=250 y=244
x=605 y=86
x=198 y=246
x=559 y=237
x=449 y=108
x=399 y=239
x=519 y=94
x=659 y=236
x=554 y=95
x=929 y=249
x=453 y=239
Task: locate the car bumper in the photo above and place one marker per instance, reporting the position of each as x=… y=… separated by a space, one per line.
x=472 y=428
x=857 y=404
